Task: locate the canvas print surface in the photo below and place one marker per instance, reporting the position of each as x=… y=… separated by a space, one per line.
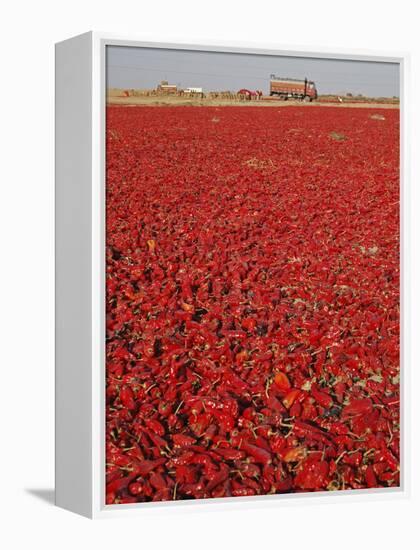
x=252 y=275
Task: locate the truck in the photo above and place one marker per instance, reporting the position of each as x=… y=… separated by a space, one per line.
x=165 y=88
x=293 y=88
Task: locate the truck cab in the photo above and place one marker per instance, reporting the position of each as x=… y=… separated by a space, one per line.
x=311 y=90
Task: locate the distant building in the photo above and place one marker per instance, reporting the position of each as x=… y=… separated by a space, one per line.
x=193 y=90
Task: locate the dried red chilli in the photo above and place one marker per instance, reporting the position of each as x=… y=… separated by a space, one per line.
x=252 y=302
x=358 y=407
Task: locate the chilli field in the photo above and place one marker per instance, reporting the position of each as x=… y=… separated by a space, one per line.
x=252 y=294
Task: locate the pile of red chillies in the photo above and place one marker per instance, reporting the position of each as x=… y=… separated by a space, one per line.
x=252 y=337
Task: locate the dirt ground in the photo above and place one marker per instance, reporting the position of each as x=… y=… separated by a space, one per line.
x=114 y=98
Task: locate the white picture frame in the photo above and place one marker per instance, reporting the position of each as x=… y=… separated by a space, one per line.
x=80 y=277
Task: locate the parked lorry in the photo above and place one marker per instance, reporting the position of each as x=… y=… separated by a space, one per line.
x=165 y=88
x=292 y=88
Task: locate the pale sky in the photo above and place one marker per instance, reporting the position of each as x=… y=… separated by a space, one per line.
x=135 y=67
